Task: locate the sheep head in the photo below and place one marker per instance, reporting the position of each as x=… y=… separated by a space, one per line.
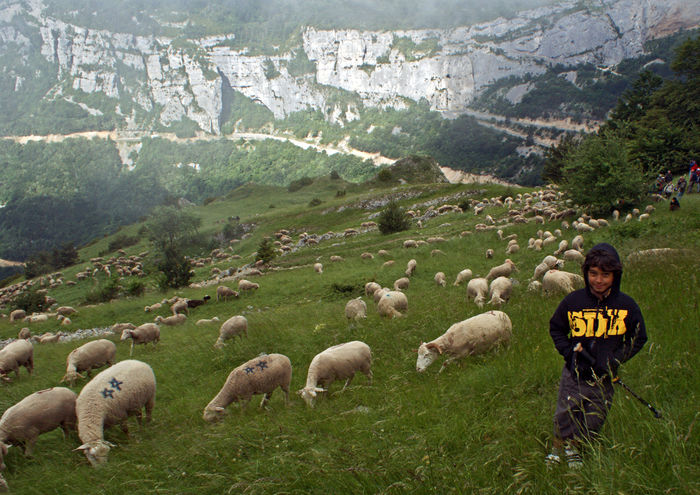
x=309 y=394
x=97 y=451
x=126 y=334
x=427 y=354
x=213 y=414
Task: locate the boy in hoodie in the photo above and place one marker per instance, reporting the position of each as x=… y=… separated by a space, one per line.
x=595 y=329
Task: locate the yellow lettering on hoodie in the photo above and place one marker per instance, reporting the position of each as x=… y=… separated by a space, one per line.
x=577 y=324
x=590 y=317
x=617 y=316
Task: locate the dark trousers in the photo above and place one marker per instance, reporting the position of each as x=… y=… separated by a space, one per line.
x=582 y=406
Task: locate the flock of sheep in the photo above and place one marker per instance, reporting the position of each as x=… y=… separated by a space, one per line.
x=128 y=387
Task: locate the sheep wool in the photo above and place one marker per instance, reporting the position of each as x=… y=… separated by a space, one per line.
x=402 y=283
x=371 y=288
x=87 y=357
x=223 y=292
x=244 y=284
x=440 y=279
x=15 y=354
x=114 y=394
x=472 y=336
x=38 y=413
x=500 y=290
x=176 y=319
x=143 y=334
x=411 y=267
x=503 y=270
x=339 y=362
x=236 y=325
x=478 y=289
x=356 y=309
x=261 y=375
x=557 y=281
x=392 y=303
x=463 y=276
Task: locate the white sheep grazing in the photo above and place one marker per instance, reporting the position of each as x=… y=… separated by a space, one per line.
x=261 y=375
x=65 y=310
x=38 y=413
x=87 y=357
x=512 y=248
x=411 y=267
x=478 y=289
x=335 y=258
x=500 y=289
x=628 y=217
x=504 y=270
x=223 y=292
x=371 y=288
x=563 y=246
x=15 y=354
x=24 y=333
x=378 y=294
x=236 y=325
x=472 y=336
x=179 y=307
x=577 y=243
x=555 y=281
x=318 y=267
x=244 y=284
x=171 y=321
x=120 y=327
x=355 y=309
x=18 y=314
x=205 y=321
x=547 y=264
x=440 y=279
x=110 y=398
x=152 y=307
x=143 y=334
x=534 y=286
x=463 y=276
x=643 y=216
x=339 y=362
x=616 y=215
x=388 y=263
x=574 y=255
x=392 y=303
x=489 y=254
x=402 y=283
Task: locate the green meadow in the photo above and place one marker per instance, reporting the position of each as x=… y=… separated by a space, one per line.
x=482 y=426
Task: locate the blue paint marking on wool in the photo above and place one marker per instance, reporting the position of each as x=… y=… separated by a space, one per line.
x=108 y=392
x=262 y=365
x=249 y=371
x=115 y=383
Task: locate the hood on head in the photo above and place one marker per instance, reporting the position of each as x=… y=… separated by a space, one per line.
x=617 y=280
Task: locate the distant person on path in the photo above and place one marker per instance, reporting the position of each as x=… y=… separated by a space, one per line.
x=668 y=178
x=694 y=179
x=693 y=168
x=595 y=329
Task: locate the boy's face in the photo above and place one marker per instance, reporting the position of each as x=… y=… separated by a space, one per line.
x=599 y=281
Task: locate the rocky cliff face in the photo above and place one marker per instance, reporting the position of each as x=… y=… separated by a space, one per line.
x=446 y=67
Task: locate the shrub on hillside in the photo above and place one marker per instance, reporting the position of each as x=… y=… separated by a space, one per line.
x=30 y=301
x=120 y=242
x=266 y=251
x=393 y=219
x=104 y=292
x=315 y=202
x=45 y=261
x=175 y=270
x=295 y=185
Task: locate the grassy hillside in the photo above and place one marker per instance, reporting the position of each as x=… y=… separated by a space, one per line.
x=479 y=427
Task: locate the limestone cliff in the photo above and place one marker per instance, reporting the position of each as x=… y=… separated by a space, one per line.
x=449 y=68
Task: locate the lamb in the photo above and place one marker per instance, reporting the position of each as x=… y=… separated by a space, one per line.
x=577 y=243
x=261 y=375
x=18 y=314
x=110 y=398
x=318 y=267
x=152 y=307
x=478 y=289
x=65 y=310
x=560 y=281
x=489 y=254
x=176 y=319
x=15 y=354
x=371 y=288
x=194 y=303
x=440 y=279
x=392 y=303
x=244 y=284
x=143 y=334
x=356 y=309
x=563 y=246
x=472 y=336
x=236 y=325
x=179 y=307
x=500 y=289
x=503 y=270
x=410 y=267
x=402 y=283
x=339 y=362
x=463 y=276
x=410 y=243
x=38 y=413
x=205 y=321
x=87 y=357
x=223 y=292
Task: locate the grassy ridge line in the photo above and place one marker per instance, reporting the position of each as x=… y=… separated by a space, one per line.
x=478 y=427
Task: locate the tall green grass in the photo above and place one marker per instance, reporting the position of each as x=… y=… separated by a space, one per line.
x=481 y=426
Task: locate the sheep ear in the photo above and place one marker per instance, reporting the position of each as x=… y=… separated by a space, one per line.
x=219 y=409
x=319 y=389
x=108 y=444
x=82 y=447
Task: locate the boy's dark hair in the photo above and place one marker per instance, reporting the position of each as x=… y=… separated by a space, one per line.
x=603 y=259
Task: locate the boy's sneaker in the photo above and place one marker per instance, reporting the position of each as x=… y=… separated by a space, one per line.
x=573 y=458
x=553 y=458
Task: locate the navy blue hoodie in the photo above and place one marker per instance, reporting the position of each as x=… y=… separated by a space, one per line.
x=610 y=330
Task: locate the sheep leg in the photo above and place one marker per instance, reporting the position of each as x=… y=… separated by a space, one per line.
x=131 y=351
x=369 y=377
x=29 y=447
x=265 y=399
x=286 y=395
x=149 y=408
x=347 y=382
